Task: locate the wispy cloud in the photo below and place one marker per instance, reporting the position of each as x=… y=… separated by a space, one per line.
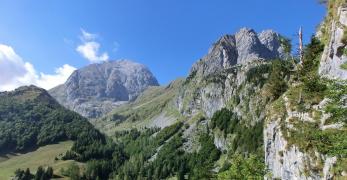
x=15 y=72
x=86 y=36
x=89 y=48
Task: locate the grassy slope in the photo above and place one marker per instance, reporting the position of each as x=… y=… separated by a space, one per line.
x=43 y=156
x=140 y=113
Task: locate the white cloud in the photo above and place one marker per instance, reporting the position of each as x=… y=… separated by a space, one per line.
x=49 y=81
x=14 y=72
x=89 y=48
x=90 y=51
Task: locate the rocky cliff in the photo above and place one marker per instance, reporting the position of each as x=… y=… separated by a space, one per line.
x=303 y=134
x=98 y=88
x=215 y=78
x=334 y=32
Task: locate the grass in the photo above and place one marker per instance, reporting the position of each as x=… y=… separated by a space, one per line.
x=44 y=156
x=344 y=65
x=140 y=113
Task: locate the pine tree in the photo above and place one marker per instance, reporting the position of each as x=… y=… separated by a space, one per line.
x=49 y=172
x=39 y=173
x=27 y=174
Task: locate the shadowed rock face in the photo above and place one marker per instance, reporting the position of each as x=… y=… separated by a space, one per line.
x=245 y=46
x=96 y=89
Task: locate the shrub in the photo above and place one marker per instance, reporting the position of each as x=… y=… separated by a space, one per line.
x=252 y=167
x=277 y=84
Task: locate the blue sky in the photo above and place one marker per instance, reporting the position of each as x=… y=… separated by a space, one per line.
x=166 y=35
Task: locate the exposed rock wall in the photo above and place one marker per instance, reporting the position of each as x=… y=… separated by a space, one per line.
x=283 y=162
x=287 y=161
x=334 y=53
x=217 y=77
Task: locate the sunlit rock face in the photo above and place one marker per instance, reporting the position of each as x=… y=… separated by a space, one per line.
x=240 y=48
x=96 y=89
x=334 y=53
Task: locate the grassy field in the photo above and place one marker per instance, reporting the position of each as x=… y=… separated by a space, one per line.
x=44 y=156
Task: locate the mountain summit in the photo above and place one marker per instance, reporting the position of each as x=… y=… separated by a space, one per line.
x=96 y=89
x=240 y=48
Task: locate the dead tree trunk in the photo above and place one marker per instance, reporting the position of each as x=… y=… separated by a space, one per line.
x=301 y=51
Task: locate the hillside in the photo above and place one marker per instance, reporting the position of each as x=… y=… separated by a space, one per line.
x=153 y=108
x=43 y=156
x=30 y=120
x=30 y=117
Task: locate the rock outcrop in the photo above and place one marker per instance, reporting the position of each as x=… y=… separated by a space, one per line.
x=334 y=56
x=245 y=46
x=96 y=89
x=287 y=161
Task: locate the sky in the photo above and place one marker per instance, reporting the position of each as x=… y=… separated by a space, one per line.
x=42 y=42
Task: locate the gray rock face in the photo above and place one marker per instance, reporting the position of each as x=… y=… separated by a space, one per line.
x=96 y=89
x=286 y=161
x=218 y=75
x=272 y=41
x=245 y=46
x=333 y=56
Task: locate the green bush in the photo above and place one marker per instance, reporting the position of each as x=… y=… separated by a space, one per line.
x=277 y=84
x=252 y=167
x=248 y=139
x=309 y=71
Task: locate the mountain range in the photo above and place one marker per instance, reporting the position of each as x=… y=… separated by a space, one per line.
x=248 y=109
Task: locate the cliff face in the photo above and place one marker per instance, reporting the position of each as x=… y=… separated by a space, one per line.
x=217 y=77
x=301 y=134
x=98 y=88
x=291 y=158
x=334 y=59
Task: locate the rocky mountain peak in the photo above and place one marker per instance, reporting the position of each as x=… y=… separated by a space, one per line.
x=244 y=46
x=272 y=41
x=96 y=89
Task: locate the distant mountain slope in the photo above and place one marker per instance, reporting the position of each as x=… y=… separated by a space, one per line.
x=153 y=108
x=30 y=117
x=96 y=89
